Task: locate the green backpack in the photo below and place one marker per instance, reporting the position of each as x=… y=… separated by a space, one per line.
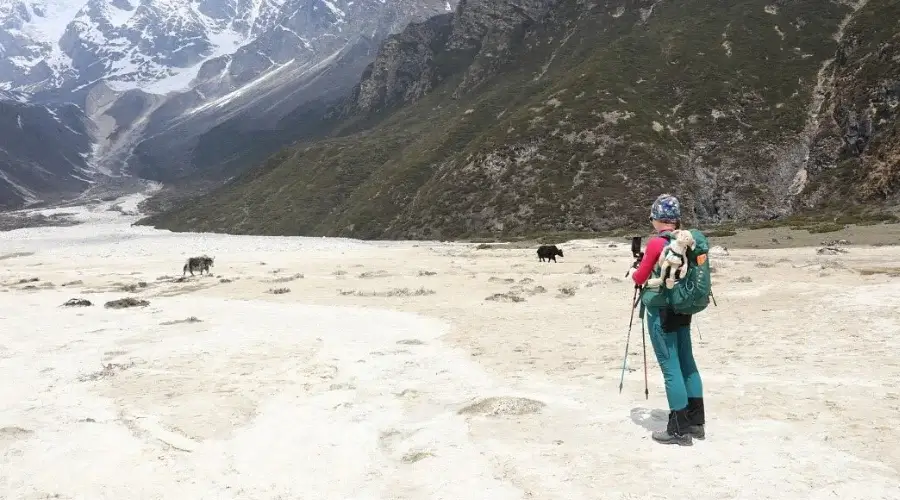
x=692 y=292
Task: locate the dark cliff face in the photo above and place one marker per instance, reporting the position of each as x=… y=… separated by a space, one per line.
x=573 y=115
x=855 y=154
x=404 y=69
x=42 y=153
x=470 y=45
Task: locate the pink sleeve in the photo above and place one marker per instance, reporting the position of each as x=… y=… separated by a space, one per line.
x=651 y=255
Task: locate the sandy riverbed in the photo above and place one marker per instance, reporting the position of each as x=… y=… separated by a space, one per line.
x=429 y=371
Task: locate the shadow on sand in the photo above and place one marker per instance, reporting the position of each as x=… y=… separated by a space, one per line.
x=652 y=420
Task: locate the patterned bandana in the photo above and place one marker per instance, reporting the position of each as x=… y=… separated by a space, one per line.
x=666 y=208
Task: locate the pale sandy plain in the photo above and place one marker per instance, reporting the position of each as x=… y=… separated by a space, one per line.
x=345 y=388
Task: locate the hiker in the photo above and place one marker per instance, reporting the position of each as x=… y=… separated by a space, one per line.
x=670 y=335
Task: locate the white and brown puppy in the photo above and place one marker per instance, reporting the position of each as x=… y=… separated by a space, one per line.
x=673 y=258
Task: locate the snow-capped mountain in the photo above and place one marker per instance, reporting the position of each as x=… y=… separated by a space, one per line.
x=162 y=46
x=145 y=69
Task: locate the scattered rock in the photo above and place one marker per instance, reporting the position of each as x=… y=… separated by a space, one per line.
x=567 y=291
x=504 y=405
x=13 y=255
x=505 y=297
x=126 y=302
x=834 y=243
x=13 y=432
x=286 y=279
x=831 y=250
x=224 y=280
x=394 y=292
x=134 y=287
x=589 y=269
x=744 y=279
x=73 y=283
x=108 y=370
x=893 y=272
x=415 y=456
x=77 y=303
x=278 y=291
x=192 y=319
x=526 y=281
x=28 y=280
x=494 y=279
x=373 y=274
x=410 y=342
x=427 y=273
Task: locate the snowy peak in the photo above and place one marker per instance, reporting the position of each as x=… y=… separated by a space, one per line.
x=162 y=46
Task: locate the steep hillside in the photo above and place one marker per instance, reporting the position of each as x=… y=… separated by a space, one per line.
x=227 y=135
x=571 y=115
x=856 y=151
x=42 y=152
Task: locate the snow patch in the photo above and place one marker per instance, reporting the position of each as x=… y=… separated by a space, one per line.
x=225 y=99
x=334 y=9
x=780 y=33
x=27 y=195
x=55 y=15
x=117 y=16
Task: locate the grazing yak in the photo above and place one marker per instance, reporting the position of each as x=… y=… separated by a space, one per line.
x=203 y=263
x=548 y=252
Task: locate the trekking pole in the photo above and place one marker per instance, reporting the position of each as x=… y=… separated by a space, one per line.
x=646 y=384
x=638 y=255
x=628 y=338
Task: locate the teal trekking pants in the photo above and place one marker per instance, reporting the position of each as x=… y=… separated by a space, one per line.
x=676 y=359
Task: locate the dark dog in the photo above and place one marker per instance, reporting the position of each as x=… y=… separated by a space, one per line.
x=202 y=263
x=548 y=252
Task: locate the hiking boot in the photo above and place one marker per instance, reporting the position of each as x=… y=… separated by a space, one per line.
x=676 y=430
x=696 y=418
